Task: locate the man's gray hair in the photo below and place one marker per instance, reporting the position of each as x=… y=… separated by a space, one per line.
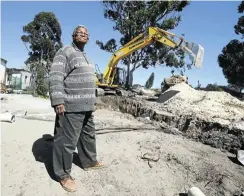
x=76 y=28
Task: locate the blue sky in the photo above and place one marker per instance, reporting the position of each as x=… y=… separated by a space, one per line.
x=207 y=23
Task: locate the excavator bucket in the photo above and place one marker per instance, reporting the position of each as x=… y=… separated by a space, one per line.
x=195 y=52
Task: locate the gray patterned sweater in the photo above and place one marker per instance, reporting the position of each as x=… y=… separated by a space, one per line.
x=72 y=80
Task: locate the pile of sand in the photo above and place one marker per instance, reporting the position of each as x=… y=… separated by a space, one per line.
x=210 y=105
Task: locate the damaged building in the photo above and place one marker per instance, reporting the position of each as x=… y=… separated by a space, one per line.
x=18 y=79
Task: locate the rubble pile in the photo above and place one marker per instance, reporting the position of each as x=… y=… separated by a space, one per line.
x=214 y=118
x=208 y=105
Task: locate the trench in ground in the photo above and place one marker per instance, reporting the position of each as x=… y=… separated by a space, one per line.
x=209 y=133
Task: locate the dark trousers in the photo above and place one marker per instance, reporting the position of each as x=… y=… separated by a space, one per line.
x=73 y=130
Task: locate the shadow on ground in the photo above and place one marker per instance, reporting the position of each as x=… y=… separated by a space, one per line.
x=234 y=160
x=42 y=151
x=76 y=160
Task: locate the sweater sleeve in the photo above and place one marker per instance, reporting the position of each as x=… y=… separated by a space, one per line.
x=56 y=79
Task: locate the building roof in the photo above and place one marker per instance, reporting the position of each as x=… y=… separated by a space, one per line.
x=15 y=70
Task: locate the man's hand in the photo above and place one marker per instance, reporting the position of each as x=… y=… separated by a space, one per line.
x=59 y=109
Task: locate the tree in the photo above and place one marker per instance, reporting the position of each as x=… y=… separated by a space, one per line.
x=149 y=82
x=231 y=60
x=134 y=17
x=41 y=84
x=239 y=27
x=42 y=39
x=213 y=87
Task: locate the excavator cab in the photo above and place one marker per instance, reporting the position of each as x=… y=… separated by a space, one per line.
x=119 y=80
x=120 y=77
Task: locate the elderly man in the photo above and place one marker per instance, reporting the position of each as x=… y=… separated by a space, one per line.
x=72 y=95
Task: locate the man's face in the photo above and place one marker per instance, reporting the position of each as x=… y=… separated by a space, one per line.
x=81 y=35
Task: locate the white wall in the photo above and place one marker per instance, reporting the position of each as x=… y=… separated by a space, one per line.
x=25 y=78
x=2 y=73
x=14 y=81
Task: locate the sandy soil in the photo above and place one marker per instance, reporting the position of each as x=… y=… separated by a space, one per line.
x=212 y=106
x=182 y=163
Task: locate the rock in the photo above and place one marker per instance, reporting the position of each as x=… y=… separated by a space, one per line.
x=172 y=130
x=144 y=120
x=147 y=92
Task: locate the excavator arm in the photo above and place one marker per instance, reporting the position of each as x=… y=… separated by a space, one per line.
x=153 y=35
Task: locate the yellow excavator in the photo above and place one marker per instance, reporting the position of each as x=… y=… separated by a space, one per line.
x=113 y=78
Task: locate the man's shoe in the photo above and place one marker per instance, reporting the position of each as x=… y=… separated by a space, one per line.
x=68 y=184
x=98 y=165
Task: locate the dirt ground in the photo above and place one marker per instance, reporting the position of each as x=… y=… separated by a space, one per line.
x=176 y=163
